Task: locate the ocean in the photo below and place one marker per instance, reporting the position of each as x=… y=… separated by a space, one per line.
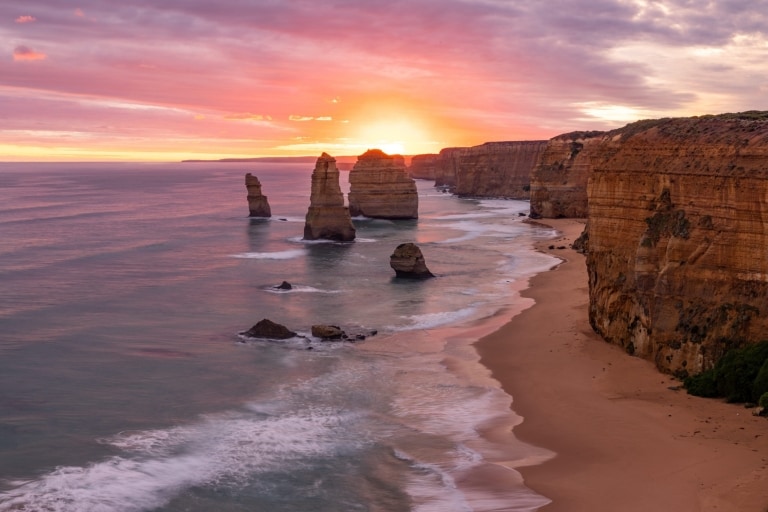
x=125 y=385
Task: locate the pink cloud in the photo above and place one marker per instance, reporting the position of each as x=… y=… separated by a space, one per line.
x=25 y=19
x=27 y=53
x=79 y=13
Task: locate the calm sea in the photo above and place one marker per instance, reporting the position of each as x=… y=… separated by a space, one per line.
x=124 y=385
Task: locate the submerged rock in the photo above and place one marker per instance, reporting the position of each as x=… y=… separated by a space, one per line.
x=285 y=285
x=268 y=329
x=408 y=261
x=258 y=205
x=328 y=332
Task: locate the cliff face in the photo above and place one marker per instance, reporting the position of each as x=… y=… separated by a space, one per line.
x=559 y=178
x=678 y=238
x=258 y=206
x=379 y=187
x=493 y=169
x=446 y=167
x=327 y=217
x=423 y=167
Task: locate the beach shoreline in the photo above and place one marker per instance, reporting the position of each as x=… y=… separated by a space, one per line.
x=625 y=436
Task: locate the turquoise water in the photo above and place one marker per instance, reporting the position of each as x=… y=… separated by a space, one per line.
x=124 y=385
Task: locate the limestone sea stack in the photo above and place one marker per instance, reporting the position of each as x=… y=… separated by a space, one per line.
x=408 y=261
x=258 y=205
x=678 y=234
x=379 y=187
x=327 y=217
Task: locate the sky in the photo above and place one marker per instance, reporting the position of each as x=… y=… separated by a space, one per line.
x=165 y=80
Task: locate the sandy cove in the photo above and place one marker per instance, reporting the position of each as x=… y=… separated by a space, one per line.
x=627 y=438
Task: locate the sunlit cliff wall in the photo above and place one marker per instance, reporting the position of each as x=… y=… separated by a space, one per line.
x=559 y=178
x=678 y=237
x=493 y=169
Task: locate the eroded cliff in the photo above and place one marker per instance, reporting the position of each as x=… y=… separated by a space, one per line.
x=559 y=178
x=493 y=169
x=678 y=238
x=423 y=167
x=379 y=187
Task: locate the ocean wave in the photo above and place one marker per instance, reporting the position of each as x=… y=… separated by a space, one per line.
x=432 y=320
x=223 y=451
x=297 y=288
x=277 y=255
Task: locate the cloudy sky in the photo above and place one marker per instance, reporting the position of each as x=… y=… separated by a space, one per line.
x=173 y=79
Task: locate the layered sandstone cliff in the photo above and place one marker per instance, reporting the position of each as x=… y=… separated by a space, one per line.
x=379 y=187
x=258 y=205
x=423 y=167
x=678 y=238
x=559 y=178
x=327 y=217
x=493 y=169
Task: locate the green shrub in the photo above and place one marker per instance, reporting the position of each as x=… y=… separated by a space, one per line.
x=763 y=402
x=760 y=387
x=740 y=376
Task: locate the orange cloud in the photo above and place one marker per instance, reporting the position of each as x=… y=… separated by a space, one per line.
x=26 y=53
x=247 y=116
x=79 y=13
x=25 y=19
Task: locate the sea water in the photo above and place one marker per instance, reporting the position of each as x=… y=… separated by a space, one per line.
x=125 y=385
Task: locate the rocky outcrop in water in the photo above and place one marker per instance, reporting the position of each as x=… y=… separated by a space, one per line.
x=423 y=167
x=493 y=169
x=559 y=178
x=379 y=187
x=408 y=261
x=678 y=231
x=327 y=217
x=269 y=330
x=258 y=206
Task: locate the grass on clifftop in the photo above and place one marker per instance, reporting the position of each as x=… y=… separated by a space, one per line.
x=740 y=376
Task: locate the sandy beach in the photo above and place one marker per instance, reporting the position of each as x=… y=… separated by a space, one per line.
x=626 y=437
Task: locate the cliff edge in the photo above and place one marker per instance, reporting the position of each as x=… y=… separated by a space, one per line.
x=678 y=238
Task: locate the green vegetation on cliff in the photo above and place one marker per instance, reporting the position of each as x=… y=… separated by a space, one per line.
x=740 y=376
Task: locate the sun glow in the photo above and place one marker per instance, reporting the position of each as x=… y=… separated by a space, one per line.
x=392 y=137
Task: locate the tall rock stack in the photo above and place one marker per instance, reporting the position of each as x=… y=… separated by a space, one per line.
x=327 y=217
x=258 y=206
x=559 y=179
x=379 y=187
x=678 y=238
x=447 y=167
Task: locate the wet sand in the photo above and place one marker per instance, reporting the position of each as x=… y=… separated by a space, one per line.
x=625 y=436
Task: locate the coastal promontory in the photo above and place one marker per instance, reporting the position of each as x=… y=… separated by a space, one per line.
x=380 y=187
x=327 y=217
x=678 y=234
x=493 y=169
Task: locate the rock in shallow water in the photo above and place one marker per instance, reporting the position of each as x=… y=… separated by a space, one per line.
x=268 y=329
x=408 y=261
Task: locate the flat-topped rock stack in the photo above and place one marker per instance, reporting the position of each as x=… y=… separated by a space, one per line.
x=258 y=205
x=423 y=167
x=380 y=187
x=327 y=217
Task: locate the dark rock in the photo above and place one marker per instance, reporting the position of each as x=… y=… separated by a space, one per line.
x=268 y=329
x=285 y=285
x=328 y=332
x=581 y=244
x=407 y=261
